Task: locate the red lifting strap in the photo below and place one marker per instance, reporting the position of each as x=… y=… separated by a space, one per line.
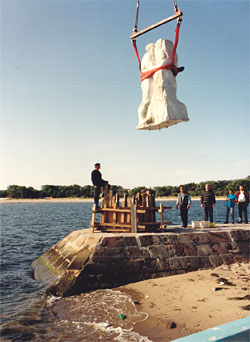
x=150 y=73
x=170 y=66
x=137 y=54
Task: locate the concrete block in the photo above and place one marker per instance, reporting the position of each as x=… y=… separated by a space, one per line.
x=149 y=240
x=185 y=263
x=80 y=240
x=228 y=259
x=190 y=250
x=164 y=264
x=216 y=237
x=132 y=252
x=61 y=243
x=175 y=263
x=243 y=247
x=195 y=263
x=185 y=238
x=111 y=242
x=204 y=250
x=215 y=260
x=205 y=262
x=221 y=248
x=80 y=259
x=131 y=241
x=178 y=249
x=240 y=235
x=200 y=238
x=169 y=238
x=159 y=251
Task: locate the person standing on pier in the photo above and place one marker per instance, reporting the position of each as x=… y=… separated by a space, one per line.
x=208 y=202
x=242 y=201
x=98 y=183
x=231 y=200
x=184 y=201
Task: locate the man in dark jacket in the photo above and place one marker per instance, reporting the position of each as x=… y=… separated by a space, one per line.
x=208 y=202
x=184 y=201
x=242 y=201
x=98 y=182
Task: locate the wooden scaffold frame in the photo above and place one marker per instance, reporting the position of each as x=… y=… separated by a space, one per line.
x=135 y=215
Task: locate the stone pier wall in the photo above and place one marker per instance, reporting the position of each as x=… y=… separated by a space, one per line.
x=83 y=261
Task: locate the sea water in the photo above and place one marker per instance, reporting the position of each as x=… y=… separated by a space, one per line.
x=27 y=312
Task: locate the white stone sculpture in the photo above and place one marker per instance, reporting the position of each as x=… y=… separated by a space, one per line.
x=160 y=107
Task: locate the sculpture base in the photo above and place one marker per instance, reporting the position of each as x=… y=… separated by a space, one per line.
x=164 y=124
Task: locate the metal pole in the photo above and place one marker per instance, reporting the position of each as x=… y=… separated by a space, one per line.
x=136 y=17
x=164 y=21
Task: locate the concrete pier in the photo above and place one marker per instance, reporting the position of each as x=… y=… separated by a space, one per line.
x=83 y=261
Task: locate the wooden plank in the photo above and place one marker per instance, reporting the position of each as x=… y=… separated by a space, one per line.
x=128 y=215
x=102 y=219
x=118 y=224
x=129 y=202
x=114 y=230
x=110 y=198
x=125 y=200
x=105 y=198
x=161 y=211
x=153 y=223
x=96 y=211
x=133 y=218
x=164 y=21
x=154 y=208
x=118 y=210
x=115 y=205
x=93 y=219
x=117 y=200
x=125 y=204
x=151 y=201
x=143 y=199
x=122 y=217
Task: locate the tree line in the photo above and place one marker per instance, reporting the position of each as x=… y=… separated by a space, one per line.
x=220 y=188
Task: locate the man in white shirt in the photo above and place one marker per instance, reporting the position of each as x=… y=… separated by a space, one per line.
x=242 y=201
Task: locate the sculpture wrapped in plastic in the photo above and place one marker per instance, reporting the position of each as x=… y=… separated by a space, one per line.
x=160 y=107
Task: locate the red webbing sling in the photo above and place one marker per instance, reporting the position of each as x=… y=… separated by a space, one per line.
x=170 y=66
x=137 y=54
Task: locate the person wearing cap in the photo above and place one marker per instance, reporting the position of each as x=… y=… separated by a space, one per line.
x=184 y=201
x=242 y=201
x=98 y=183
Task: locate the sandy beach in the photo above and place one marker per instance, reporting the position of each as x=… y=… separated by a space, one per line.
x=183 y=304
x=46 y=200
x=79 y=199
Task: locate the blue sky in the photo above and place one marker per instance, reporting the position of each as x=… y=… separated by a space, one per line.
x=70 y=90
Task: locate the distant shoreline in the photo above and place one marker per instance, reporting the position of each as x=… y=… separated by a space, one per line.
x=79 y=200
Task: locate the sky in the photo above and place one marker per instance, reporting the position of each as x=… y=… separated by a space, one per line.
x=70 y=91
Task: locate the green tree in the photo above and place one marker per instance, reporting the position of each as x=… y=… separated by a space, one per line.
x=73 y=191
x=3 y=193
x=117 y=189
x=14 y=191
x=87 y=191
x=49 y=191
x=134 y=191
